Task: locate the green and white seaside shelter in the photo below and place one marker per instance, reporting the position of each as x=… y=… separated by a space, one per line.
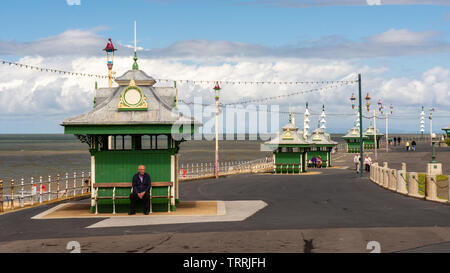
x=131 y=124
x=447 y=131
x=369 y=143
x=352 y=140
x=290 y=149
x=321 y=145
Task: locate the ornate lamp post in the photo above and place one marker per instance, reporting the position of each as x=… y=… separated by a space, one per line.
x=109 y=49
x=216 y=92
x=431 y=124
x=306 y=122
x=391 y=110
x=322 y=118
x=422 y=121
x=433 y=144
x=368 y=102
x=353 y=99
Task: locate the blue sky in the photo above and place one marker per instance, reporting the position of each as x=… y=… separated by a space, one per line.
x=398 y=44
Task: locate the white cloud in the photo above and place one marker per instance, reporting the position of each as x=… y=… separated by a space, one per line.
x=73 y=2
x=49 y=94
x=70 y=42
x=402 y=37
x=393 y=42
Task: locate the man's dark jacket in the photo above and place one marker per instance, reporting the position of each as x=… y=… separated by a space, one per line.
x=139 y=186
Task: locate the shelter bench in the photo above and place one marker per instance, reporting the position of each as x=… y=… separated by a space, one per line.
x=116 y=185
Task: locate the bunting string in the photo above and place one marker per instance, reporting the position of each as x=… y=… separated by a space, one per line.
x=51 y=70
x=187 y=81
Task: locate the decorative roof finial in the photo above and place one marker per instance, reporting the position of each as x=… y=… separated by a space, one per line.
x=135 y=65
x=95 y=94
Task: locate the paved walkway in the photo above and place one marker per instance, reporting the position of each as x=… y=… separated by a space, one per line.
x=318 y=205
x=415 y=161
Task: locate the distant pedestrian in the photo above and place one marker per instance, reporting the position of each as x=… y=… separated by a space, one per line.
x=399 y=140
x=356 y=160
x=367 y=163
x=395 y=141
x=413 y=146
x=407 y=146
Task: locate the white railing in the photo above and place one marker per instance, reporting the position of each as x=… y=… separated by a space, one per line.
x=37 y=190
x=192 y=171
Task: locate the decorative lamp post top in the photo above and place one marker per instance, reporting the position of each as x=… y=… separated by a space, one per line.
x=217 y=89
x=368 y=102
x=109 y=46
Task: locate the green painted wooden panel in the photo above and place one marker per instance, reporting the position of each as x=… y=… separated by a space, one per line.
x=120 y=166
x=288 y=158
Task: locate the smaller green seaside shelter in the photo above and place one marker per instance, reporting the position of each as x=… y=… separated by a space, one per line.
x=369 y=143
x=321 y=145
x=290 y=149
x=352 y=140
x=447 y=131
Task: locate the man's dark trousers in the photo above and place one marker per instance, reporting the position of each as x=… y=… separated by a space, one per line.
x=134 y=198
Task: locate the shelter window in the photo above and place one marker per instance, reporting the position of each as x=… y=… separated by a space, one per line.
x=118 y=142
x=127 y=142
x=146 y=142
x=162 y=141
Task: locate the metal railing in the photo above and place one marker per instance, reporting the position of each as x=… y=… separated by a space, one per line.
x=192 y=171
x=37 y=190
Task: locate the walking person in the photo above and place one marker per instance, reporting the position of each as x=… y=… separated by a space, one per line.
x=413 y=146
x=367 y=163
x=399 y=139
x=356 y=160
x=407 y=146
x=395 y=141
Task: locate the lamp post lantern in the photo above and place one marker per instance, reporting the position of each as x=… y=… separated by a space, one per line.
x=216 y=93
x=368 y=102
x=353 y=99
x=109 y=49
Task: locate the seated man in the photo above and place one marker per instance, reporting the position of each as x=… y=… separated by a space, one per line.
x=141 y=190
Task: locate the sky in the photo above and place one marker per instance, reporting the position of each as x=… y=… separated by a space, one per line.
x=400 y=47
